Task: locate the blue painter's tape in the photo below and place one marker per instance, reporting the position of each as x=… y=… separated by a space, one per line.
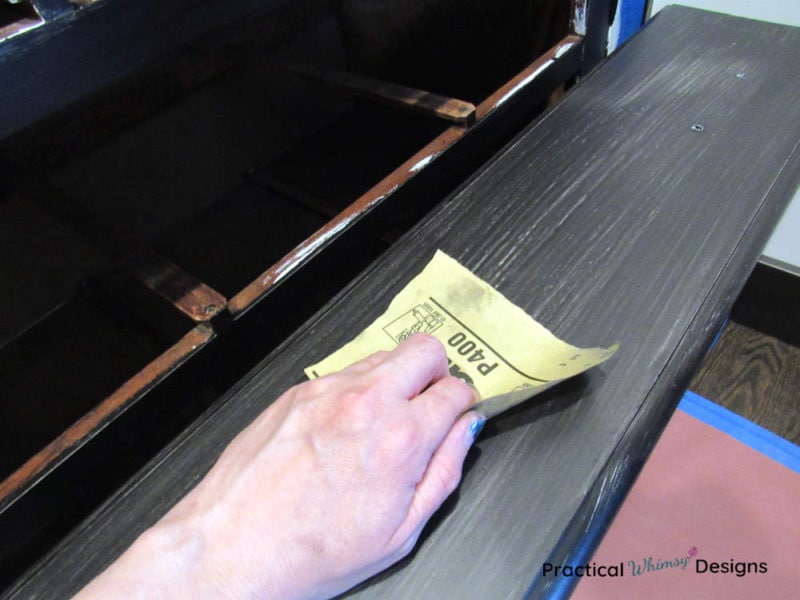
x=747 y=432
x=631 y=16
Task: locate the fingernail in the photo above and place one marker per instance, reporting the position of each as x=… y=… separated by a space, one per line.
x=475 y=429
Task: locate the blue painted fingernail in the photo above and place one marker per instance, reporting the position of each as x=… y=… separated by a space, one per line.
x=475 y=429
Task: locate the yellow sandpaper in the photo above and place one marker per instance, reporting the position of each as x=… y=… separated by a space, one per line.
x=491 y=343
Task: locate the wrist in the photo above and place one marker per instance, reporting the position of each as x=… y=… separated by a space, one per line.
x=166 y=561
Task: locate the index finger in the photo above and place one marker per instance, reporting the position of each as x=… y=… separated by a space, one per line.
x=413 y=366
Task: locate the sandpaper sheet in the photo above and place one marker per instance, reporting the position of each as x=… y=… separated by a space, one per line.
x=491 y=343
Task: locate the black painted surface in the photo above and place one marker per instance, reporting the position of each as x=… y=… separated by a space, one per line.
x=769 y=303
x=102 y=339
x=81 y=51
x=610 y=219
x=487 y=42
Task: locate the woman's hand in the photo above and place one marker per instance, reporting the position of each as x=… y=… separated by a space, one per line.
x=328 y=486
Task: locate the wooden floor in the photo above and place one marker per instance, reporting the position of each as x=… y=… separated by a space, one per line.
x=756 y=376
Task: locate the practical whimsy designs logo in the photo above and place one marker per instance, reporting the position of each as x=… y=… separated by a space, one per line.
x=649 y=565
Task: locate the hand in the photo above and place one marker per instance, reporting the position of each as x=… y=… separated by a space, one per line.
x=328 y=486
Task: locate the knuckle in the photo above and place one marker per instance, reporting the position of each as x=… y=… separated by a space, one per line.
x=431 y=349
x=313 y=388
x=428 y=343
x=449 y=478
x=405 y=547
x=457 y=385
x=358 y=409
x=458 y=390
x=404 y=440
x=373 y=360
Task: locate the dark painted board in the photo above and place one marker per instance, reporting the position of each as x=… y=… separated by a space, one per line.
x=609 y=219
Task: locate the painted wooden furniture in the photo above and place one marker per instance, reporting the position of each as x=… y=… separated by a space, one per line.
x=133 y=331
x=631 y=211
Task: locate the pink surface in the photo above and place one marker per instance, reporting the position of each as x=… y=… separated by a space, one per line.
x=703 y=496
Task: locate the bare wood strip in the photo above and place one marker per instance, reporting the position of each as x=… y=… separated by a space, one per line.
x=84 y=429
x=450 y=109
x=188 y=294
x=528 y=75
x=384 y=188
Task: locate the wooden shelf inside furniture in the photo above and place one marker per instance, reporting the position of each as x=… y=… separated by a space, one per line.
x=189 y=256
x=611 y=218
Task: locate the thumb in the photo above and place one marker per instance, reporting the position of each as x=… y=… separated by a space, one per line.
x=441 y=477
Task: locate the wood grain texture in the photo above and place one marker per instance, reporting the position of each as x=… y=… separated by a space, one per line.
x=756 y=376
x=609 y=219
